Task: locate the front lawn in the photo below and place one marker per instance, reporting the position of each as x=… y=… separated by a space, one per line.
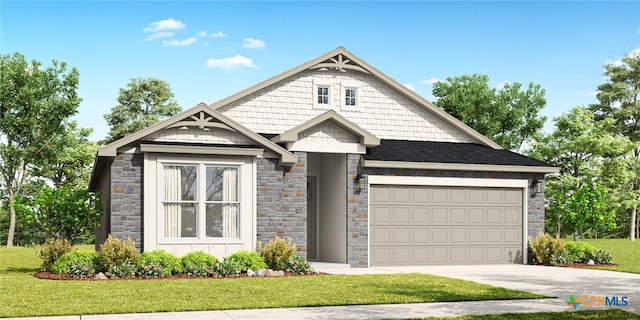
x=610 y=314
x=22 y=295
x=624 y=252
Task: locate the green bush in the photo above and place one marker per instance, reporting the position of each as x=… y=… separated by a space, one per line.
x=198 y=264
x=226 y=268
x=169 y=263
x=602 y=257
x=563 y=258
x=277 y=253
x=247 y=260
x=114 y=252
x=125 y=269
x=579 y=251
x=52 y=251
x=81 y=262
x=545 y=246
x=298 y=265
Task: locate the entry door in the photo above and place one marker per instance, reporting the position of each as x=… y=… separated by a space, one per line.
x=312 y=220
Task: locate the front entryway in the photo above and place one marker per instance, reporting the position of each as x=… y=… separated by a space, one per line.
x=326 y=207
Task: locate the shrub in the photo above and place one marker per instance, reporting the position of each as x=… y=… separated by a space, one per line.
x=198 y=264
x=81 y=263
x=152 y=271
x=563 y=258
x=579 y=251
x=277 y=253
x=114 y=252
x=125 y=269
x=226 y=268
x=602 y=257
x=52 y=251
x=298 y=265
x=545 y=246
x=169 y=263
x=247 y=260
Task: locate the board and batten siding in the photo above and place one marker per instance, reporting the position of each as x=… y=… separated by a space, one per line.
x=380 y=110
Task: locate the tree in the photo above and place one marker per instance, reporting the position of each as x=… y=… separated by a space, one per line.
x=35 y=102
x=588 y=210
x=65 y=212
x=72 y=166
x=619 y=99
x=143 y=103
x=509 y=116
x=580 y=147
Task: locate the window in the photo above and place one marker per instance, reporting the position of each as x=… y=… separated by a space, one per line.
x=323 y=95
x=200 y=201
x=350 y=96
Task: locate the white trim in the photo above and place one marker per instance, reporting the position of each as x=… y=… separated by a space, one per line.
x=453 y=182
x=349 y=84
x=326 y=147
x=323 y=83
x=160 y=148
x=457 y=166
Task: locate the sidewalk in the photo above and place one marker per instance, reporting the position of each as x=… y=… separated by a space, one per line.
x=385 y=311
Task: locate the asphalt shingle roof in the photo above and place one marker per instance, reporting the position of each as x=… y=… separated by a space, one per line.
x=447 y=152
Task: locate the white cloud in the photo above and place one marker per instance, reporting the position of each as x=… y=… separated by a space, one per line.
x=409 y=86
x=253 y=43
x=218 y=34
x=618 y=63
x=163 y=25
x=159 y=35
x=230 y=63
x=429 y=81
x=179 y=43
x=501 y=85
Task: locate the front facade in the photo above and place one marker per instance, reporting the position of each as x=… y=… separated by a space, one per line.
x=349 y=164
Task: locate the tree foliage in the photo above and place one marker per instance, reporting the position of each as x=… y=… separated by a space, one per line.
x=143 y=103
x=64 y=212
x=35 y=102
x=588 y=210
x=509 y=116
x=619 y=100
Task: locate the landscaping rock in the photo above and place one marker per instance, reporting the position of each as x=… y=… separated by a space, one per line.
x=261 y=272
x=272 y=273
x=100 y=276
x=250 y=273
x=590 y=262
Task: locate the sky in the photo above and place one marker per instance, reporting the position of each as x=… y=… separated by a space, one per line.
x=208 y=50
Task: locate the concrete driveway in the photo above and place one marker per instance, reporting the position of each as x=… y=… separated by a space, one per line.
x=551 y=281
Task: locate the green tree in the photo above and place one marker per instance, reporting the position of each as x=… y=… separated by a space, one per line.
x=66 y=212
x=509 y=116
x=588 y=210
x=143 y=103
x=35 y=102
x=618 y=99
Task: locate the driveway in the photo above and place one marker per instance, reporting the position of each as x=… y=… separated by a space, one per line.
x=549 y=281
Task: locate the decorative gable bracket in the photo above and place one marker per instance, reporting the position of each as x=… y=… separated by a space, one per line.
x=340 y=63
x=202 y=121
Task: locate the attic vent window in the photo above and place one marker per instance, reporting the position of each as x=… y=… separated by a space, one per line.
x=350 y=96
x=323 y=95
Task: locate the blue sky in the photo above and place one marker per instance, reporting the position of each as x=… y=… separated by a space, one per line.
x=208 y=50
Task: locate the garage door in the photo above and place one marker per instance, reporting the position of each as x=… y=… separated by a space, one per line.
x=423 y=225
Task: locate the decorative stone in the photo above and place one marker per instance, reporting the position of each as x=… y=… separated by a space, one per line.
x=100 y=276
x=272 y=273
x=250 y=273
x=261 y=272
x=590 y=262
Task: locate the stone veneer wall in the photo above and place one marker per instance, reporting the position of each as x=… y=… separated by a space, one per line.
x=357 y=214
x=127 y=187
x=282 y=201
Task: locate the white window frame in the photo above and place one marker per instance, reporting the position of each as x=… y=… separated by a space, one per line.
x=323 y=83
x=344 y=85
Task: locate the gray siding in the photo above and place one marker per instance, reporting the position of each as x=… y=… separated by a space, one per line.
x=281 y=201
x=127 y=181
x=104 y=228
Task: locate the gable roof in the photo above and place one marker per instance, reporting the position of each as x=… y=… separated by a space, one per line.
x=340 y=59
x=292 y=135
x=195 y=116
x=448 y=155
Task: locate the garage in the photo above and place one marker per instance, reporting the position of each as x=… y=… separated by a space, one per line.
x=445 y=224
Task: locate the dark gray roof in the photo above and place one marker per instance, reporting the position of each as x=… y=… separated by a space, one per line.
x=447 y=152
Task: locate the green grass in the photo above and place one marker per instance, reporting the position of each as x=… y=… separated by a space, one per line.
x=625 y=253
x=610 y=314
x=22 y=295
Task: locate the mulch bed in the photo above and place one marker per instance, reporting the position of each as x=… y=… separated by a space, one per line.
x=54 y=276
x=586 y=266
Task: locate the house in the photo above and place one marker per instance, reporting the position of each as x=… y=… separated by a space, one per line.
x=348 y=163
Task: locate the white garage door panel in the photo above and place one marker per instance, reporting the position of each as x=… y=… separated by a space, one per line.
x=413 y=225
